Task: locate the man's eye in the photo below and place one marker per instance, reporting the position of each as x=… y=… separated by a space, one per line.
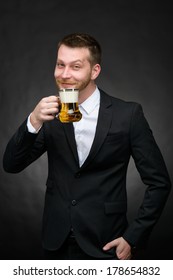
x=76 y=67
x=60 y=65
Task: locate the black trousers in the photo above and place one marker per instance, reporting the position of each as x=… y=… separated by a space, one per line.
x=70 y=250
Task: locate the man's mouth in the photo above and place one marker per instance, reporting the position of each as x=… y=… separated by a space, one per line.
x=67 y=85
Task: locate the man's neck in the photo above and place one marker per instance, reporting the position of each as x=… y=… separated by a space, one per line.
x=87 y=92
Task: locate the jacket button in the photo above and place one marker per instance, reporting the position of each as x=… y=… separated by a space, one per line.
x=74 y=202
x=77 y=175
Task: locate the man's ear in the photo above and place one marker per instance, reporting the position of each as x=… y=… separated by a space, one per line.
x=95 y=71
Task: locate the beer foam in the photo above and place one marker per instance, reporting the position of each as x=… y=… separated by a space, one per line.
x=69 y=96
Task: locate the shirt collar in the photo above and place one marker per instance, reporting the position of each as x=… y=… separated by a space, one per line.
x=91 y=102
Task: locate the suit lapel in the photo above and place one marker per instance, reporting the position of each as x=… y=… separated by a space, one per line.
x=69 y=131
x=103 y=125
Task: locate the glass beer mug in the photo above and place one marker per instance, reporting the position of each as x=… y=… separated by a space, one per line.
x=69 y=109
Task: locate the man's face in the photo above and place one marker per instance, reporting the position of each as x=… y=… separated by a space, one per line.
x=73 y=69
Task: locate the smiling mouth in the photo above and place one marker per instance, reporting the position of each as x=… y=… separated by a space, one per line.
x=66 y=85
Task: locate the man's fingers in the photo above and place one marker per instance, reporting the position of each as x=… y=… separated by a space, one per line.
x=122 y=248
x=110 y=245
x=51 y=98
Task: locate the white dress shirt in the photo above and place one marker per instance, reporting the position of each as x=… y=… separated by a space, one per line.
x=85 y=128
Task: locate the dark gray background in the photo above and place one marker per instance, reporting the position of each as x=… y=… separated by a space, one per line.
x=137 y=43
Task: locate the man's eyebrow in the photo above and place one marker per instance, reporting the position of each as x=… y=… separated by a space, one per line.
x=74 y=61
x=78 y=60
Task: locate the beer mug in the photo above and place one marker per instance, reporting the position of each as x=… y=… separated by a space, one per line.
x=69 y=109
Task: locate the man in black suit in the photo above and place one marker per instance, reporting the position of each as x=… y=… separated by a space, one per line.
x=86 y=201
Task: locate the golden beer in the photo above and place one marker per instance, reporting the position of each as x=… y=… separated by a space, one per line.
x=69 y=109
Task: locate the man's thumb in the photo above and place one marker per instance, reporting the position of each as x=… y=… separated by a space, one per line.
x=110 y=245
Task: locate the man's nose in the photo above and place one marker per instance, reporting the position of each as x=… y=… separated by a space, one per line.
x=65 y=73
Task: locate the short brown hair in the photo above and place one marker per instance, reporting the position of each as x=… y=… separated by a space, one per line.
x=83 y=40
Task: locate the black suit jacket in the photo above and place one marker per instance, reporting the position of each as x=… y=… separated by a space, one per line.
x=92 y=199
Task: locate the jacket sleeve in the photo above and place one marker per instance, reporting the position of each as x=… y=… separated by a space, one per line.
x=153 y=172
x=22 y=149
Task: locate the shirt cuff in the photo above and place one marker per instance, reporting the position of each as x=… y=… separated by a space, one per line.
x=30 y=127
